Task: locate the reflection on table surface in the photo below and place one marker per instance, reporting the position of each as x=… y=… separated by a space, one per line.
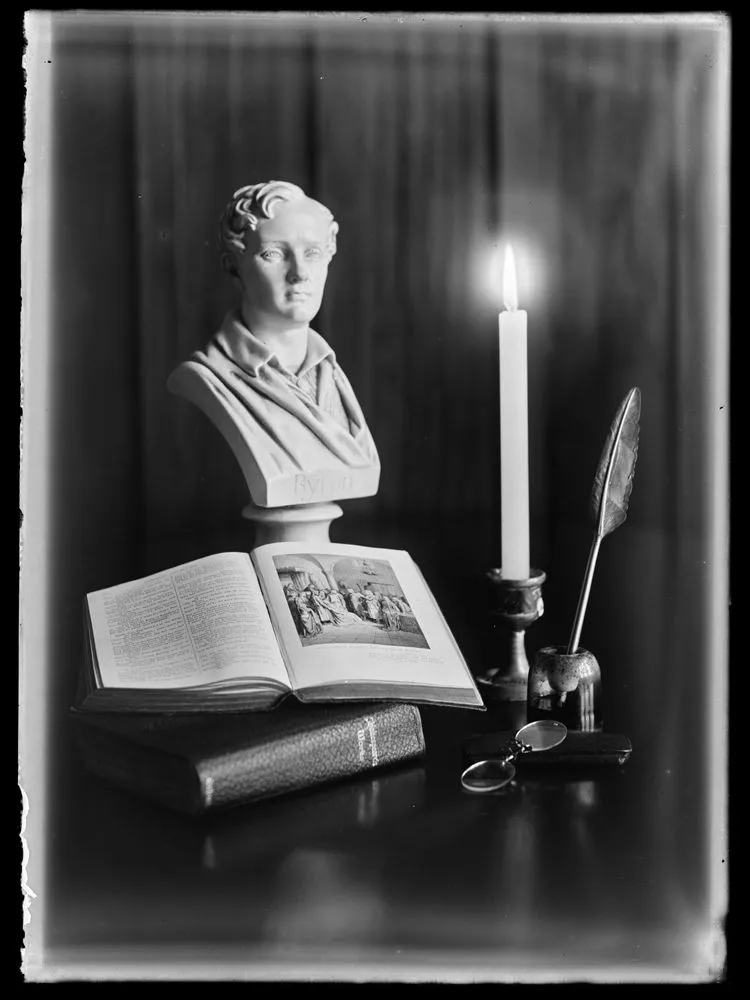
x=403 y=875
x=586 y=873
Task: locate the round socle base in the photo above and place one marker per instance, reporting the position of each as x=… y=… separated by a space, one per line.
x=300 y=523
x=497 y=689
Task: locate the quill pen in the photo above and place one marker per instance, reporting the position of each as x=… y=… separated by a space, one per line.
x=610 y=494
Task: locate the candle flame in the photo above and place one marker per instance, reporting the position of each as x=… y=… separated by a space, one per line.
x=510 y=293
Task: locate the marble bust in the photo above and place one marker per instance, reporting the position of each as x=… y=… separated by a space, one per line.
x=268 y=381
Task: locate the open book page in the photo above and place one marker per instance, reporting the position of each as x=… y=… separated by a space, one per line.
x=201 y=623
x=346 y=613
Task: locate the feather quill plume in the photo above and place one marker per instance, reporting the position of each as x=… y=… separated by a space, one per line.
x=610 y=494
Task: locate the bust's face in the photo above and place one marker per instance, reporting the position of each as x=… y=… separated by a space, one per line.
x=284 y=268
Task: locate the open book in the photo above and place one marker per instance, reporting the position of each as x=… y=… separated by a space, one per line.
x=234 y=631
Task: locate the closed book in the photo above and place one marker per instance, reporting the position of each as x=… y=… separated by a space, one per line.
x=199 y=764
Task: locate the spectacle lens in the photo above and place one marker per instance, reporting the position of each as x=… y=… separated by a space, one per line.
x=542 y=735
x=493 y=774
x=487 y=776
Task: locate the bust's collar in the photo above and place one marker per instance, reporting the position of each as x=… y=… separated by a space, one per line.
x=251 y=354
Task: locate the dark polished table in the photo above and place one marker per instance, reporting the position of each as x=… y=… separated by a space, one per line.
x=613 y=874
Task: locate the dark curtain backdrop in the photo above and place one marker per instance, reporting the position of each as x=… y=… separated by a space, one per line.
x=429 y=145
x=591 y=146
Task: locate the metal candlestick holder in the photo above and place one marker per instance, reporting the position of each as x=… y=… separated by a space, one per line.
x=516 y=604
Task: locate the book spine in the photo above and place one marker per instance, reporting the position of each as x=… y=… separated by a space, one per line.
x=378 y=737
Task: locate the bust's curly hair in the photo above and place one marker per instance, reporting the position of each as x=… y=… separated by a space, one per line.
x=248 y=206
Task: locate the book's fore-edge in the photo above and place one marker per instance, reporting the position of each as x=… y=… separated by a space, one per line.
x=207 y=768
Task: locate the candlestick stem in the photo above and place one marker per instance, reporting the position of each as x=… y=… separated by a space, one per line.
x=517 y=662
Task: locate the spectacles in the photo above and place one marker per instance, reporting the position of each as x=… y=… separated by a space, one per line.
x=493 y=774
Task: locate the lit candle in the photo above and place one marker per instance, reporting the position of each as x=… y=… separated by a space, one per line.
x=514 y=430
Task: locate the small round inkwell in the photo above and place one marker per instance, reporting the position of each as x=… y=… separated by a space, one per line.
x=566 y=686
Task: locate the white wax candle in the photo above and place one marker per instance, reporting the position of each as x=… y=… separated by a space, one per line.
x=514 y=431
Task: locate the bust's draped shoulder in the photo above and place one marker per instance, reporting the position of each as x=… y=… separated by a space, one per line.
x=274 y=428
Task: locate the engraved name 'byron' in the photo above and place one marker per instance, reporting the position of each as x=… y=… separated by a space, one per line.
x=319 y=486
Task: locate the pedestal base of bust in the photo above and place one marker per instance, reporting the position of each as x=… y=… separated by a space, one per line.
x=309 y=522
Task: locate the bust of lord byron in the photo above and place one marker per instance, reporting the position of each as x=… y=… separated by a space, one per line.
x=266 y=379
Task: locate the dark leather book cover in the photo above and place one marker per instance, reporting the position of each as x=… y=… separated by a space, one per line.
x=205 y=763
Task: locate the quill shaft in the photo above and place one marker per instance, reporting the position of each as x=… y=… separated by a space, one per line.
x=583 y=598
